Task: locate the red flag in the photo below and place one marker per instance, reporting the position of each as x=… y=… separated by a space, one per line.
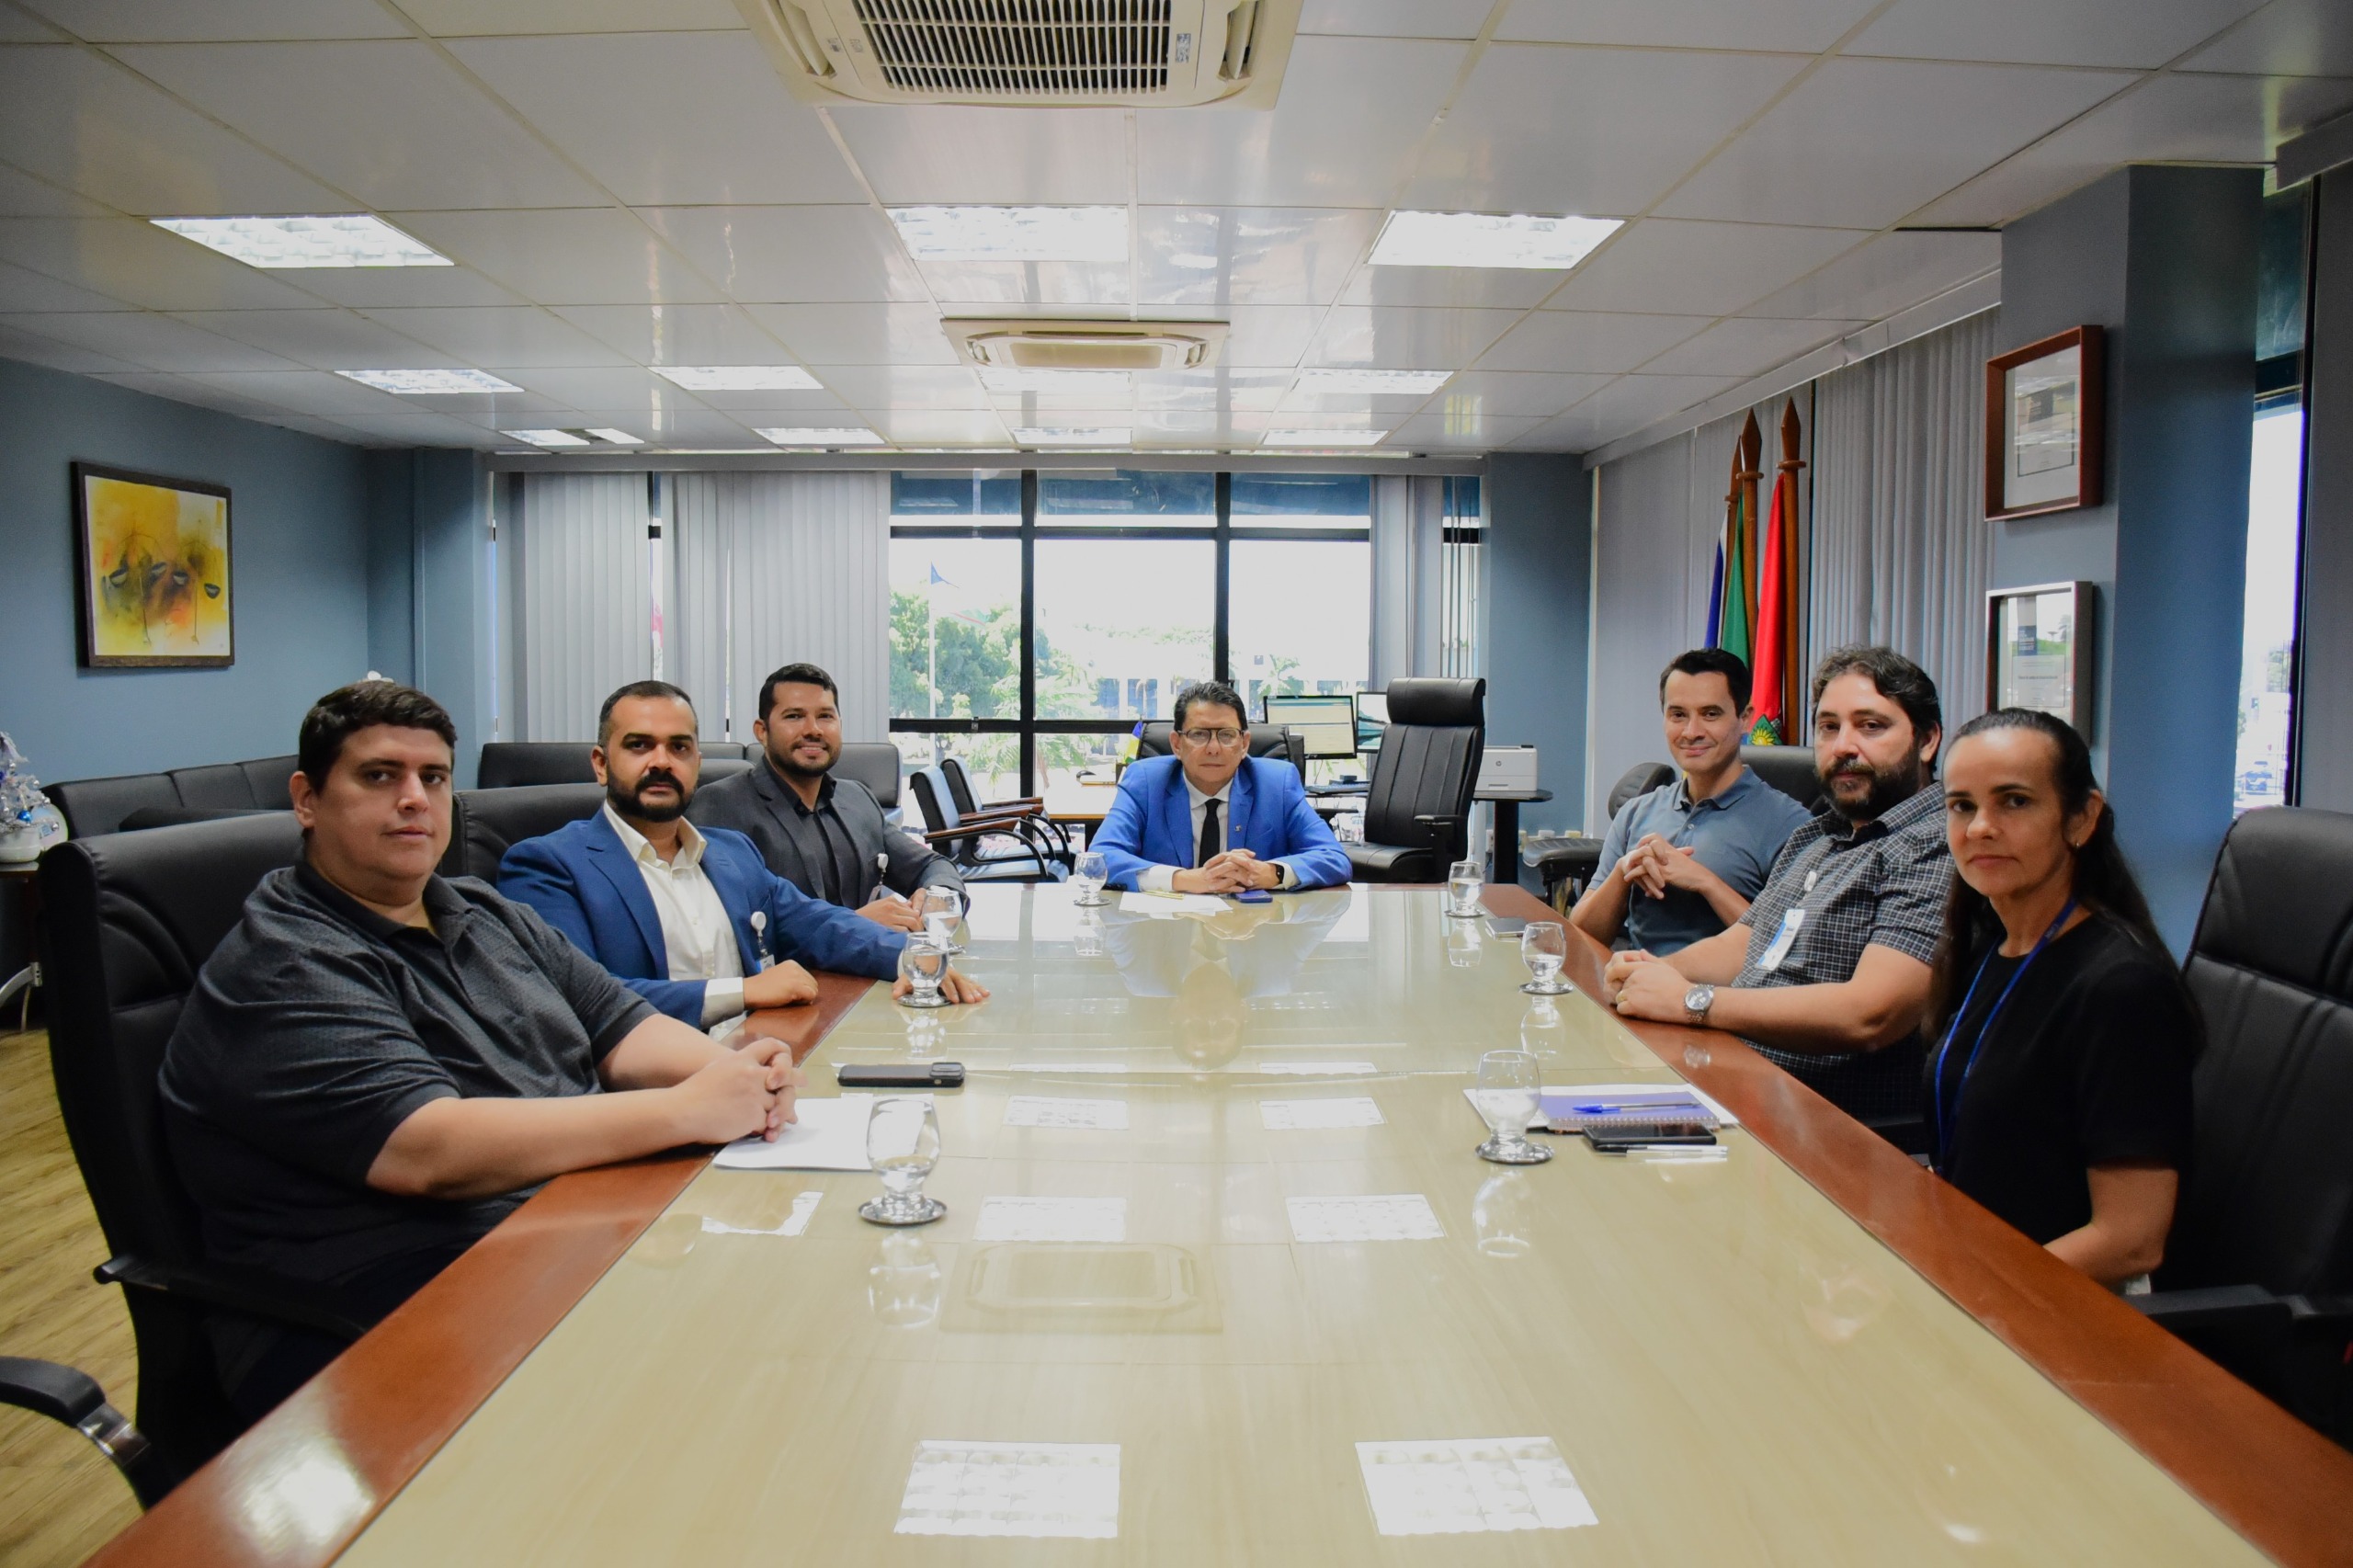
x=1772 y=628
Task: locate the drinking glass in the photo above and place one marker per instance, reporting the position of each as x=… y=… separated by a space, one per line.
x=1087 y=874
x=903 y=1144
x=1086 y=936
x=923 y=963
x=1464 y=880
x=942 y=908
x=1544 y=948
x=1509 y=1091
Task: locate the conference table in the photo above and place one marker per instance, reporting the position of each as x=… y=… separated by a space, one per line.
x=1221 y=1279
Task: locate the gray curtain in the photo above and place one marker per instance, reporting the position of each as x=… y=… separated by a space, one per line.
x=583 y=600
x=1426 y=594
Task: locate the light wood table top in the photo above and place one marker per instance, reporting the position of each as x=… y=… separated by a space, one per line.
x=1810 y=1351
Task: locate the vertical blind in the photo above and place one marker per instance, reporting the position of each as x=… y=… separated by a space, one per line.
x=583 y=600
x=1424 y=591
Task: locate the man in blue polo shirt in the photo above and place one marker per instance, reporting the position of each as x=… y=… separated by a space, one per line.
x=1685 y=859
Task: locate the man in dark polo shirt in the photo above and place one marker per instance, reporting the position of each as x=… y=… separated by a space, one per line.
x=1827 y=973
x=377 y=1065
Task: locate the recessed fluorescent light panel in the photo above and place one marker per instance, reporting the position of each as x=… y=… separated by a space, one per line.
x=353 y=240
x=1012 y=234
x=1070 y=435
x=425 y=383
x=1481 y=239
x=618 y=437
x=1011 y=378
x=821 y=435
x=1322 y=437
x=546 y=438
x=1378 y=383
x=738 y=378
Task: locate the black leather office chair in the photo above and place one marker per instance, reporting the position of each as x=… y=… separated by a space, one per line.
x=507 y=764
x=716 y=765
x=2259 y=1272
x=1788 y=770
x=1266 y=740
x=1041 y=829
x=128 y=921
x=1417 y=809
x=1575 y=862
x=876 y=765
x=72 y=1398
x=1020 y=853
x=484 y=823
x=95 y=806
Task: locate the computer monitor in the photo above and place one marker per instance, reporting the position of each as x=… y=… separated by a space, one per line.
x=1328 y=724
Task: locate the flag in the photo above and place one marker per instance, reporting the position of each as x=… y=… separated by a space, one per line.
x=1772 y=626
x=1739 y=571
x=1716 y=598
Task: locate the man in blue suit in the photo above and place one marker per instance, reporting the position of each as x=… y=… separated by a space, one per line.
x=1213 y=818
x=691 y=919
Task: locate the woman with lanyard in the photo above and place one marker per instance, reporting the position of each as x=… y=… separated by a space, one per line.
x=2061 y=1036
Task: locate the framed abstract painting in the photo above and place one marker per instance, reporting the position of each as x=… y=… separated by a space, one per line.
x=152 y=568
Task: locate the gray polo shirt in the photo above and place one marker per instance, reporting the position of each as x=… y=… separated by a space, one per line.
x=1735 y=833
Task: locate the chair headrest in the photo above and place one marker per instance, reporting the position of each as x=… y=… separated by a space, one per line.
x=2281 y=902
x=1438 y=701
x=1157 y=740
x=485 y=823
x=95 y=806
x=507 y=764
x=1639 y=780
x=874 y=764
x=1788 y=770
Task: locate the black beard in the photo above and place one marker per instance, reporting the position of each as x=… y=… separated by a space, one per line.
x=792 y=769
x=633 y=803
x=1889 y=788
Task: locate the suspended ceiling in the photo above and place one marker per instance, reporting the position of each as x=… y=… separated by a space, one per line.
x=1791 y=171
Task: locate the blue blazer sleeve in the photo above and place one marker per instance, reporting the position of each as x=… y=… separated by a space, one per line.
x=1121 y=838
x=536 y=872
x=1315 y=857
x=819 y=934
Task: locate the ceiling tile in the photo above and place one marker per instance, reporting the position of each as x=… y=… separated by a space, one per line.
x=70 y=115
x=153 y=342
x=459 y=18
x=679 y=334
x=1505 y=288
x=880 y=387
x=671 y=426
x=934 y=427
x=19 y=27
x=422 y=428
x=1571 y=432
x=607 y=386
x=1395 y=18
x=596 y=255
x=1407 y=339
x=190 y=390
x=1598 y=131
x=1861 y=143
x=388 y=121
x=319 y=394
x=1587 y=342
x=858 y=334
x=326 y=429
x=23 y=291
x=1223 y=389
x=970 y=283
x=2142 y=35
x=794 y=255
x=219 y=21
x=2176 y=117
x=1629 y=402
x=1268 y=255
x=2289 y=38
x=1697 y=268
x=1512 y=393
x=489 y=335
x=496 y=410
x=915 y=154
x=1804 y=26
x=1746 y=346
x=755 y=407
x=22 y=195
x=669 y=119
x=1886 y=275
x=361 y=286
x=15 y=342
x=1351 y=113
x=1458 y=430
x=323 y=339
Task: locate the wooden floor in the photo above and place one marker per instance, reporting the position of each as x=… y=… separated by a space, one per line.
x=58 y=1498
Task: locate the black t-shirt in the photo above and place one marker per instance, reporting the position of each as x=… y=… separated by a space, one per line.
x=2088 y=1065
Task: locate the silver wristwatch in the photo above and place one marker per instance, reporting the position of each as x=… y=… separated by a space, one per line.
x=1696 y=1003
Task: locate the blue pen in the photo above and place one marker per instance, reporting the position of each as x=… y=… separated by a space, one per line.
x=1634 y=1105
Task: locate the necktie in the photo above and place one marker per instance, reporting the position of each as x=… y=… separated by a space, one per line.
x=1208 y=833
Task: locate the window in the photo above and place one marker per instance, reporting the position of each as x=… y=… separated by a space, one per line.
x=2274 y=513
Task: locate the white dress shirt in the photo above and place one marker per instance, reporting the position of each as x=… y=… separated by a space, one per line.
x=695 y=927
x=1161 y=879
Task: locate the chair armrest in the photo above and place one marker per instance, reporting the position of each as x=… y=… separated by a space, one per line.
x=1024 y=802
x=1445 y=833
x=2215 y=1306
x=72 y=1398
x=292 y=1303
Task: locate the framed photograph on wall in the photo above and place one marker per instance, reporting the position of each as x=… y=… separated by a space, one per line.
x=152 y=558
x=2044 y=422
x=2039 y=650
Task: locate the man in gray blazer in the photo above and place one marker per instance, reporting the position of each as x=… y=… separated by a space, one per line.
x=826 y=836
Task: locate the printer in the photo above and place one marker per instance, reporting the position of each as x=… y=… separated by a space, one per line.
x=1506 y=771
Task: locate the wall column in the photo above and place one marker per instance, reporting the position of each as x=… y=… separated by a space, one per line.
x=1538 y=563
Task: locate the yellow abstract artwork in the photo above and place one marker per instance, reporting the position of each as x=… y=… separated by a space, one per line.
x=154 y=558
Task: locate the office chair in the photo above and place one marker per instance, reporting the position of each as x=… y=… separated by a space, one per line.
x=1021 y=851
x=1050 y=834
x=507 y=764
x=2258 y=1271
x=1577 y=861
x=1788 y=770
x=95 y=806
x=1417 y=809
x=129 y=920
x=485 y=823
x=1266 y=740
x=72 y=1398
x=876 y=765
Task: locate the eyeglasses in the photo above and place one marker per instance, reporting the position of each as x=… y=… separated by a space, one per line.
x=1207 y=737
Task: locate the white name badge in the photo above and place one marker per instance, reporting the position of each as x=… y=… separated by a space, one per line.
x=1783 y=940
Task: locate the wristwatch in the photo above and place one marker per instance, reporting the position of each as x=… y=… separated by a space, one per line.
x=1696 y=1003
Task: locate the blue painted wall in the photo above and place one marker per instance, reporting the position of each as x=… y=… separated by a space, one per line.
x=298 y=558
x=1538 y=566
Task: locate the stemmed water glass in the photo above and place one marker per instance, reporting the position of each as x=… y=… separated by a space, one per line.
x=923 y=963
x=1087 y=874
x=942 y=908
x=1544 y=948
x=1508 y=1094
x=903 y=1144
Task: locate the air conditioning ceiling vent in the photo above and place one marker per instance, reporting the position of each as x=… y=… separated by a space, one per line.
x=1154 y=53
x=998 y=344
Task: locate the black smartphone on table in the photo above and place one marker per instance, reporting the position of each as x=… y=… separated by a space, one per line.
x=900 y=1075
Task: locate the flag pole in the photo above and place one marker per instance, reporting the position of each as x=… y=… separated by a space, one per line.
x=1786 y=483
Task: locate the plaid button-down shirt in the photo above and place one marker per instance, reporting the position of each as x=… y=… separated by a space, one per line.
x=1880 y=883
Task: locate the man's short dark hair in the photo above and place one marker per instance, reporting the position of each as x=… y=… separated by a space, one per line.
x=347 y=710
x=1898 y=679
x=1710 y=662
x=636 y=689
x=1215 y=693
x=795 y=674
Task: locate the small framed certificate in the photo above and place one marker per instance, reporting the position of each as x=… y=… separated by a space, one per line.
x=2039 y=650
x=2043 y=425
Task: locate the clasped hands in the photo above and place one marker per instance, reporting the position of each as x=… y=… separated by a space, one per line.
x=1653 y=865
x=745 y=1091
x=1639 y=985
x=1236 y=871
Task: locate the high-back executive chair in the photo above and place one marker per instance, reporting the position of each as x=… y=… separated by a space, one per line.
x=1417 y=809
x=2258 y=1271
x=1788 y=770
x=507 y=764
x=485 y=823
x=1577 y=861
x=875 y=764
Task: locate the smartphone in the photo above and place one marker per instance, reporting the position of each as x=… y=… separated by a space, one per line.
x=902 y=1075
x=1505 y=925
x=1618 y=1137
x=1254 y=895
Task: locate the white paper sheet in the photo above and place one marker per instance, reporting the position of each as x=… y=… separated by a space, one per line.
x=1455 y=1486
x=1052 y=1220
x=1318 y=1068
x=1013 y=1489
x=1168 y=906
x=1300 y=1116
x=1049 y=1110
x=829 y=1136
x=1604 y=1092
x=1387 y=1216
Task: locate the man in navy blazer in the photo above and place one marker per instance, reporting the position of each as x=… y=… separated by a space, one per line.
x=691 y=919
x=1213 y=818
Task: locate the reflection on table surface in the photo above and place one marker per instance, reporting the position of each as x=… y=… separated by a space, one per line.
x=1626 y=1362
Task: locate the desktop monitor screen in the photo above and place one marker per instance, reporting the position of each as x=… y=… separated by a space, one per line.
x=1328 y=724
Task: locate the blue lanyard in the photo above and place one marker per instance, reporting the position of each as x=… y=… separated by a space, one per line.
x=1947 y=1122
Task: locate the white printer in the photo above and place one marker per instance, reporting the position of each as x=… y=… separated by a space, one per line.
x=1506 y=771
